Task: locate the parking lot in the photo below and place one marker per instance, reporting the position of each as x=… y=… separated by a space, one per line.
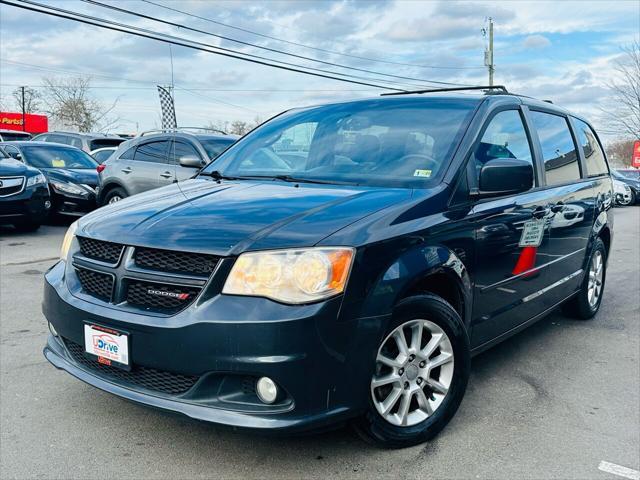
x=552 y=402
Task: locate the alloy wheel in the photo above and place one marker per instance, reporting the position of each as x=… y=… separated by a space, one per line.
x=414 y=371
x=594 y=286
x=114 y=199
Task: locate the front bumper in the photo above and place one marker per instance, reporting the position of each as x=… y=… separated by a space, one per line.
x=74 y=205
x=321 y=363
x=29 y=205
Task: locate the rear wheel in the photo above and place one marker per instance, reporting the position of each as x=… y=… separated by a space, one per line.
x=114 y=196
x=420 y=376
x=587 y=302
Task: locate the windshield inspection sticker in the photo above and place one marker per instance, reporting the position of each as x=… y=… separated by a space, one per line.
x=422 y=173
x=532 y=233
x=57 y=162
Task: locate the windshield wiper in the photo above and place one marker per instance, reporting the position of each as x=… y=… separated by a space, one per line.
x=292 y=179
x=216 y=175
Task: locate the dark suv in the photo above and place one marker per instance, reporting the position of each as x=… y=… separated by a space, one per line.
x=340 y=262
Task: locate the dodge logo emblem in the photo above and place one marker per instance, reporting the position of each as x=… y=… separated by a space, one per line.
x=163 y=293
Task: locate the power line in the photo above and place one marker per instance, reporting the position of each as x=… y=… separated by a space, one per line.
x=376 y=60
x=281 y=52
x=201 y=89
x=140 y=32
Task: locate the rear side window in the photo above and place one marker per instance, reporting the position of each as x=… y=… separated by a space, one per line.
x=558 y=150
x=593 y=154
x=128 y=154
x=105 y=142
x=56 y=139
x=154 y=152
x=505 y=137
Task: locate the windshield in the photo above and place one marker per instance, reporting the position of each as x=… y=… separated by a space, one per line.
x=57 y=157
x=403 y=142
x=105 y=142
x=216 y=147
x=12 y=137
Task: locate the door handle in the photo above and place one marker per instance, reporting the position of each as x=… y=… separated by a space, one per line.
x=558 y=207
x=166 y=175
x=127 y=170
x=541 y=212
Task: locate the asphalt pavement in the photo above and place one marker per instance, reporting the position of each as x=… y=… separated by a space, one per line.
x=555 y=401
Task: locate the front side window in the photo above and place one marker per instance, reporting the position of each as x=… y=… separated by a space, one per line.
x=180 y=150
x=558 y=150
x=505 y=137
x=154 y=152
x=404 y=142
x=593 y=154
x=57 y=157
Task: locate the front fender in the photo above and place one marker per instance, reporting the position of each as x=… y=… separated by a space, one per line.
x=403 y=277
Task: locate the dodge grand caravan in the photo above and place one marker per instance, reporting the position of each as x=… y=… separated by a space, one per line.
x=340 y=263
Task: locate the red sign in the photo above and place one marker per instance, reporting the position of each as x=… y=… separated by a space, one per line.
x=635 y=158
x=33 y=123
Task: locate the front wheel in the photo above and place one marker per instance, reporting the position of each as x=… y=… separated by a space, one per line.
x=420 y=375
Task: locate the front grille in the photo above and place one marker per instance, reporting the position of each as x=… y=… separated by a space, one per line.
x=10 y=185
x=159 y=297
x=148 y=378
x=176 y=262
x=95 y=283
x=108 y=252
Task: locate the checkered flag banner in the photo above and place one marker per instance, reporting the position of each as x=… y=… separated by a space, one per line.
x=168 y=109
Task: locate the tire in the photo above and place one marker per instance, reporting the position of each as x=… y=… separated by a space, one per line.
x=434 y=314
x=114 y=195
x=26 y=226
x=582 y=305
x=634 y=198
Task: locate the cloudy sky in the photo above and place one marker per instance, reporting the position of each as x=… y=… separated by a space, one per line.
x=559 y=50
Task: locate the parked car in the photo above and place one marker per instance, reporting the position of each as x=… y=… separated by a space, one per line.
x=157 y=159
x=70 y=172
x=101 y=154
x=13 y=135
x=630 y=180
x=355 y=287
x=622 y=192
x=24 y=195
x=84 y=141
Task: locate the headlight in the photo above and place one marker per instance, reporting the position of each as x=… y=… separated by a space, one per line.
x=36 y=180
x=291 y=276
x=65 y=187
x=68 y=240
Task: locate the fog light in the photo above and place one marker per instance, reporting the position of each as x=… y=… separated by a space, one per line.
x=267 y=390
x=53 y=330
x=47 y=204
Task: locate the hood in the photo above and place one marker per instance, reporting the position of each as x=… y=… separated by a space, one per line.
x=227 y=218
x=10 y=167
x=87 y=176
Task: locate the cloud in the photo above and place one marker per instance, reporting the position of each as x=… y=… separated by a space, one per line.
x=536 y=41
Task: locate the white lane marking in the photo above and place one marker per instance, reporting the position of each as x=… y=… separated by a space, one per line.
x=619 y=470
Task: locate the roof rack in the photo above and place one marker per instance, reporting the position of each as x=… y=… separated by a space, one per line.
x=181 y=129
x=502 y=89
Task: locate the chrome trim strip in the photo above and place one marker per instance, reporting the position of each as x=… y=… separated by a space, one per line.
x=22 y=186
x=553 y=285
x=528 y=272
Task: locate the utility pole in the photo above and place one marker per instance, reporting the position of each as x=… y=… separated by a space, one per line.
x=488 y=53
x=24 y=123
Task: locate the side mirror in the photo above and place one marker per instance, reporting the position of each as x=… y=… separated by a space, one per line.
x=191 y=161
x=502 y=176
x=16 y=155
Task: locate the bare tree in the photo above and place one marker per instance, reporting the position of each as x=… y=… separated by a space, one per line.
x=31 y=99
x=620 y=152
x=238 y=127
x=69 y=103
x=623 y=116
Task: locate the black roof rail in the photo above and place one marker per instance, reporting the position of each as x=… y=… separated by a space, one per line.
x=502 y=88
